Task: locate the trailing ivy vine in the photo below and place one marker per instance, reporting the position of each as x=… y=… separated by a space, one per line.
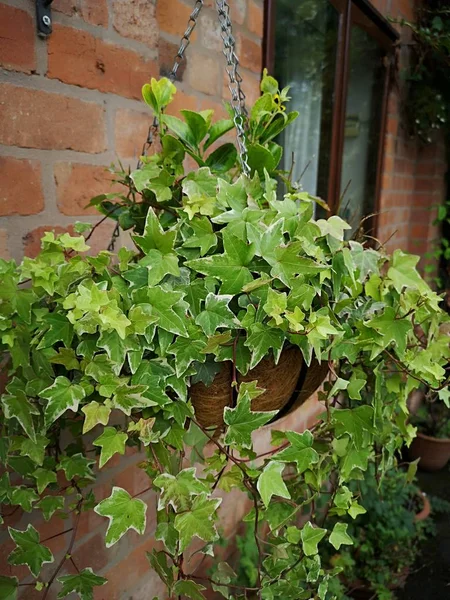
x=103 y=352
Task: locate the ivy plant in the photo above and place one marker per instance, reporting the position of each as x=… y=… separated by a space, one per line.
x=102 y=352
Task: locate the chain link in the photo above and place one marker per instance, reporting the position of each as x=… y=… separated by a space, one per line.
x=237 y=94
x=185 y=41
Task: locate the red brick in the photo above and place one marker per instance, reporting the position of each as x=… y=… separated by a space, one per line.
x=210 y=31
x=32 y=240
x=132 y=568
x=4 y=253
x=203 y=72
x=130 y=130
x=36 y=119
x=20 y=187
x=237 y=10
x=424 y=184
x=93 y=552
x=255 y=18
x=132 y=479
x=136 y=19
x=17 y=37
x=182 y=101
x=173 y=16
x=91 y=11
x=77 y=184
x=249 y=53
x=78 y=58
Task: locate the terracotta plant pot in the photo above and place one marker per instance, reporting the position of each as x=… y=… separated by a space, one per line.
x=287 y=385
x=426 y=508
x=434 y=453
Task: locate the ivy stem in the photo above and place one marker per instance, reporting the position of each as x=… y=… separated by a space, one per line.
x=56 y=535
x=68 y=551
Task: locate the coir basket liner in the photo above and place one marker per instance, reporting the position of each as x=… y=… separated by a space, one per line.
x=287 y=385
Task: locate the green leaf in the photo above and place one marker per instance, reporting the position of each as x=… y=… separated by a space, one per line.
x=230 y=267
x=180 y=128
x=197 y=125
x=35 y=450
x=124 y=513
x=242 y=422
x=223 y=158
x=403 y=272
x=60 y=330
x=198 y=521
x=357 y=423
x=218 y=130
x=43 y=478
x=62 y=395
x=263 y=338
x=200 y=189
x=392 y=329
x=49 y=505
x=203 y=236
x=66 y=357
x=190 y=589
x=8 y=587
x=270 y=482
x=186 y=351
x=111 y=442
x=300 y=450
x=216 y=314
x=82 y=583
x=339 y=536
x=29 y=551
x=154 y=236
x=24 y=497
x=160 y=265
x=128 y=397
x=158 y=94
x=95 y=414
x=311 y=537
x=77 y=465
x=18 y=407
x=178 y=490
x=162 y=303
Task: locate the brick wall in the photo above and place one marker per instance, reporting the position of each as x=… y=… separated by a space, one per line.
x=413 y=181
x=71 y=105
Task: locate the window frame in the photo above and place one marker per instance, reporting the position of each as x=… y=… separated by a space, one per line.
x=349 y=12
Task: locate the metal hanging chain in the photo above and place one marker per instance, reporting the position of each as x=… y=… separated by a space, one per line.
x=237 y=94
x=185 y=41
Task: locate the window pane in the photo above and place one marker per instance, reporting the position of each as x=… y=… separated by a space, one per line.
x=362 y=127
x=305 y=59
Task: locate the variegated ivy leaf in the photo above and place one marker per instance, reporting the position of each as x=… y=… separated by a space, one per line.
x=200 y=189
x=77 y=465
x=242 y=421
x=162 y=305
x=43 y=478
x=186 y=351
x=128 y=397
x=18 y=406
x=95 y=414
x=263 y=338
x=311 y=536
x=178 y=490
x=49 y=505
x=270 y=482
x=154 y=236
x=231 y=267
x=24 y=497
x=216 y=314
x=111 y=442
x=198 y=521
x=275 y=305
x=203 y=236
x=124 y=513
x=159 y=265
x=82 y=583
x=339 y=536
x=62 y=395
x=35 y=449
x=28 y=550
x=300 y=451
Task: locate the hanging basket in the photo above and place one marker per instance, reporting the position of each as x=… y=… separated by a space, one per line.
x=287 y=385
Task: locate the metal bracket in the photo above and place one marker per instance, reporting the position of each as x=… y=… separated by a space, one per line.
x=44 y=17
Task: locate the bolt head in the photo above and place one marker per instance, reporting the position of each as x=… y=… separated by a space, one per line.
x=46 y=20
